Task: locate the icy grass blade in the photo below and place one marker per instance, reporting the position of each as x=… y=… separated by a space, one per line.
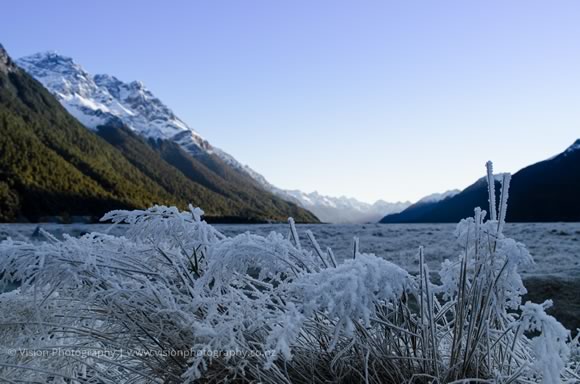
x=294 y=233
x=491 y=191
x=505 y=187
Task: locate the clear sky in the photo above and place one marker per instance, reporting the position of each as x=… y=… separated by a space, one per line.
x=370 y=99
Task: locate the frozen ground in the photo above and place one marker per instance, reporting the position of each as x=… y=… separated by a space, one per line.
x=554 y=246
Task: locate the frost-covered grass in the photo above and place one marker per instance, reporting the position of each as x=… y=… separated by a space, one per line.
x=555 y=247
x=175 y=300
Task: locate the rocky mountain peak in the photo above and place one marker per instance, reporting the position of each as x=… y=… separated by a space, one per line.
x=51 y=61
x=6 y=64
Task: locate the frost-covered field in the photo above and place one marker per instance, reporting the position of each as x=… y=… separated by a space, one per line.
x=176 y=300
x=554 y=246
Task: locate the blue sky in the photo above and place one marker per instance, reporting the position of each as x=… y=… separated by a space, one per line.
x=370 y=99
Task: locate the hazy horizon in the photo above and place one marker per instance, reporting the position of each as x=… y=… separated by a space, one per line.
x=381 y=100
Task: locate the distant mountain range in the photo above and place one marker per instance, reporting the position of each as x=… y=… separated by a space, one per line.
x=331 y=209
x=136 y=153
x=341 y=209
x=543 y=192
x=104 y=100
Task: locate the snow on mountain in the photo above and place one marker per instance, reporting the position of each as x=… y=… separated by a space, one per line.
x=99 y=99
x=341 y=209
x=435 y=197
x=74 y=88
x=574 y=147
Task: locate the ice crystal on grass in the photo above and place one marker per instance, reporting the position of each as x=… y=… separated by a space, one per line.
x=352 y=291
x=176 y=301
x=550 y=349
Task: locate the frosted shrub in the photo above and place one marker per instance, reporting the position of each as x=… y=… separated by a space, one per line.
x=174 y=300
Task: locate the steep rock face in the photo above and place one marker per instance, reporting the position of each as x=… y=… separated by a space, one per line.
x=542 y=192
x=6 y=64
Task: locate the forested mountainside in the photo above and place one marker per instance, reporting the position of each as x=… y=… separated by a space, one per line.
x=51 y=165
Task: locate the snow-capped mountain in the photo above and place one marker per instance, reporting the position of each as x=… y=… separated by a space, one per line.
x=99 y=99
x=342 y=209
